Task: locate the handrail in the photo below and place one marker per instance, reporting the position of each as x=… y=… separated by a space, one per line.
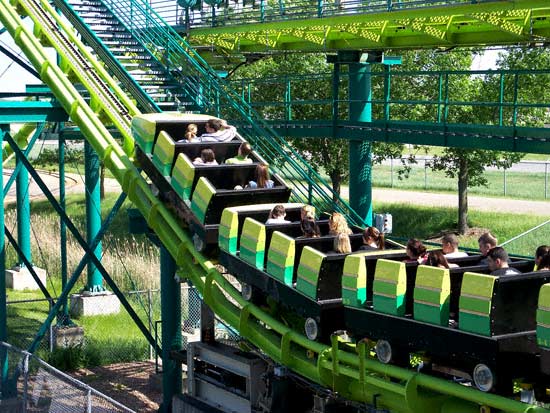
x=107 y=97
x=216 y=97
x=261 y=11
x=134 y=89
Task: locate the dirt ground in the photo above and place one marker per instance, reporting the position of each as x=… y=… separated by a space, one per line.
x=135 y=385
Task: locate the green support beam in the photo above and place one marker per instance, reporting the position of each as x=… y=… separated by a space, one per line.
x=360 y=154
x=512 y=139
x=3 y=300
x=358 y=25
x=23 y=214
x=23 y=112
x=171 y=329
x=93 y=215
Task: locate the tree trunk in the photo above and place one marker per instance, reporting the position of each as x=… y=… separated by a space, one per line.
x=336 y=179
x=463 y=196
x=102 y=181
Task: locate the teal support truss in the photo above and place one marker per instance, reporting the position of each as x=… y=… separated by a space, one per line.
x=360 y=155
x=23 y=214
x=93 y=214
x=171 y=329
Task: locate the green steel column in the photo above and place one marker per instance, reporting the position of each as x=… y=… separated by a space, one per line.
x=93 y=214
x=23 y=214
x=360 y=156
x=171 y=330
x=3 y=305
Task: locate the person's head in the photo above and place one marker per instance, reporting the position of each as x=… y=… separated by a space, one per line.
x=541 y=251
x=436 y=258
x=449 y=243
x=307 y=211
x=213 y=125
x=371 y=235
x=337 y=224
x=544 y=263
x=486 y=242
x=207 y=155
x=415 y=249
x=309 y=228
x=497 y=258
x=278 y=211
x=342 y=244
x=192 y=128
x=245 y=149
x=262 y=175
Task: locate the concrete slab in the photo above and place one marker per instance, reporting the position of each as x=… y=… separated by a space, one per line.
x=86 y=304
x=66 y=337
x=18 y=278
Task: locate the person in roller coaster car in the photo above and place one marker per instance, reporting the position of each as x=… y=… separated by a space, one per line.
x=337 y=224
x=261 y=174
x=217 y=130
x=449 y=245
x=416 y=251
x=342 y=244
x=497 y=259
x=277 y=215
x=309 y=228
x=373 y=240
x=207 y=158
x=436 y=258
x=486 y=242
x=541 y=251
x=544 y=263
x=242 y=155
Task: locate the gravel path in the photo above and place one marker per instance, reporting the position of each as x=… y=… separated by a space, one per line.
x=75 y=184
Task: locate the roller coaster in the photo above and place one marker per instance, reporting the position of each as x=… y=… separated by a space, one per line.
x=390 y=309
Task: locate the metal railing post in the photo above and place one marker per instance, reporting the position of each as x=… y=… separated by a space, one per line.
x=25 y=382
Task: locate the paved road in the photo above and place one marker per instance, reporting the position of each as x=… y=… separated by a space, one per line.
x=75 y=184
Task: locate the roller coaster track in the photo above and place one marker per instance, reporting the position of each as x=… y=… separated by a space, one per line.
x=348 y=371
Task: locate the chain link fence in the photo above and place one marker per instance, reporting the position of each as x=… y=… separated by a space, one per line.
x=31 y=385
x=525 y=179
x=108 y=338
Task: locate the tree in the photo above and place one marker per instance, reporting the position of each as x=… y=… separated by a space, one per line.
x=468 y=165
x=330 y=155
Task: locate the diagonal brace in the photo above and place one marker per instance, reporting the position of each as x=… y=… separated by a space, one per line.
x=89 y=255
x=27 y=150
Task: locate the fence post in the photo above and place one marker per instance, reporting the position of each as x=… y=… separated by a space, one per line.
x=26 y=381
x=546 y=180
x=89 y=401
x=50 y=306
x=504 y=181
x=391 y=172
x=150 y=306
x=425 y=175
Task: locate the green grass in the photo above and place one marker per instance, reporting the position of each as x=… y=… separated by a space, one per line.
x=518 y=184
x=429 y=222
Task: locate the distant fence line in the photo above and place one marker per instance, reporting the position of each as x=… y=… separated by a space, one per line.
x=537 y=167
